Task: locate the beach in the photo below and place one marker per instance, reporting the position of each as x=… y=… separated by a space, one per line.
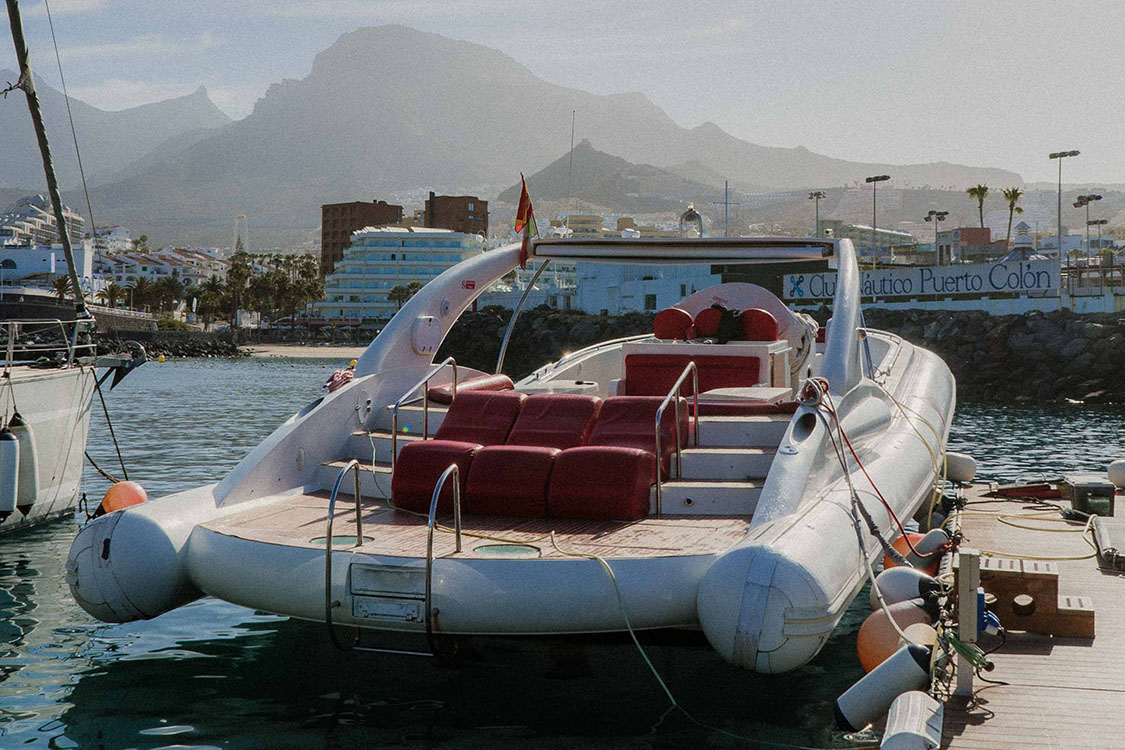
x=347 y=353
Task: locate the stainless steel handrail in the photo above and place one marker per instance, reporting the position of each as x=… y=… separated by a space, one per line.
x=68 y=340
x=674 y=394
x=450 y=471
x=515 y=314
x=425 y=405
x=328 y=602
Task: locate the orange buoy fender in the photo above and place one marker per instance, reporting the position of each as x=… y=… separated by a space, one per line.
x=928 y=547
x=121 y=495
x=871 y=697
x=878 y=640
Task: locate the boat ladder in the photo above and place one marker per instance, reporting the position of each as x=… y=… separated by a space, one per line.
x=404 y=601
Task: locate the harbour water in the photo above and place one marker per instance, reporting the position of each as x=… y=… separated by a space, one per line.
x=217 y=675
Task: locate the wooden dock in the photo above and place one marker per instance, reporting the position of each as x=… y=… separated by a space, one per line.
x=1061 y=692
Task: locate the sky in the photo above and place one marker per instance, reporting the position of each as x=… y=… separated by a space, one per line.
x=985 y=83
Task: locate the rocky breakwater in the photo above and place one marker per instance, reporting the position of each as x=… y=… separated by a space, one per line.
x=540 y=336
x=171 y=343
x=1054 y=356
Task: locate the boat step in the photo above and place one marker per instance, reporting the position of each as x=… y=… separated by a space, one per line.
x=726 y=463
x=707 y=498
x=737 y=431
x=377 y=485
x=359 y=444
x=410 y=417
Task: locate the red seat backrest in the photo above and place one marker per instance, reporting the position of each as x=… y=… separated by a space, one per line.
x=759 y=325
x=483 y=417
x=443 y=394
x=707 y=321
x=630 y=422
x=673 y=323
x=655 y=374
x=555 y=420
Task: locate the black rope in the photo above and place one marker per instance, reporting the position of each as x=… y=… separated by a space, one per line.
x=100 y=470
x=109 y=423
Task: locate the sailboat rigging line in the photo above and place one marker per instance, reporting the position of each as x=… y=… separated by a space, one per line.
x=27 y=84
x=105 y=474
x=109 y=423
x=73 y=132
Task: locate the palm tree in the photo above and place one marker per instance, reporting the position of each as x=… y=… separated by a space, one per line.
x=211 y=293
x=400 y=294
x=1012 y=195
x=980 y=192
x=62 y=287
x=112 y=294
x=141 y=291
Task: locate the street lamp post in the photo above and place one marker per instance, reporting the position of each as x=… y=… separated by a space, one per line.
x=816 y=195
x=1060 y=155
x=1086 y=200
x=935 y=217
x=874 y=189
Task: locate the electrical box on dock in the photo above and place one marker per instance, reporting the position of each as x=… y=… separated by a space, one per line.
x=1090 y=494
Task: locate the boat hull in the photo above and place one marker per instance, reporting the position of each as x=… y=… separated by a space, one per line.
x=55 y=405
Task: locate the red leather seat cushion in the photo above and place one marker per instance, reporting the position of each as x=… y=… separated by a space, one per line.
x=483 y=417
x=443 y=394
x=555 y=420
x=420 y=465
x=655 y=374
x=510 y=480
x=707 y=321
x=601 y=482
x=759 y=325
x=673 y=323
x=630 y=422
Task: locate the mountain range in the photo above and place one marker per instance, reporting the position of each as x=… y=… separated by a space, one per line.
x=389 y=109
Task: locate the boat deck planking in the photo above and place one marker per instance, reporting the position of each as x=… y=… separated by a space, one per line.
x=299 y=519
x=1063 y=692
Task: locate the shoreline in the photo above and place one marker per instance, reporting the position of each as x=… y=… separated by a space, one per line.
x=299 y=351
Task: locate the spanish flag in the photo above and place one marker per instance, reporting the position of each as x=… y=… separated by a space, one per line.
x=525 y=222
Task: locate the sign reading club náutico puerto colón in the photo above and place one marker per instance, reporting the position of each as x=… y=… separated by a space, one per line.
x=1006 y=277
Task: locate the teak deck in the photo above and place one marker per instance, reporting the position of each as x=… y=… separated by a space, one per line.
x=1063 y=692
x=299 y=520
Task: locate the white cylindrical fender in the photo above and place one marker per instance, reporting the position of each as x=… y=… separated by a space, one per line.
x=132 y=564
x=926 y=546
x=960 y=467
x=902 y=584
x=1117 y=472
x=29 y=463
x=9 y=472
x=913 y=723
x=871 y=697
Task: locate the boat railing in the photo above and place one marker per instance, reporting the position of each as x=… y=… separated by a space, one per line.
x=352 y=465
x=673 y=397
x=450 y=471
x=25 y=338
x=409 y=395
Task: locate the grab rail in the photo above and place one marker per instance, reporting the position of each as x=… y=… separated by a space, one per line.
x=425 y=406
x=12 y=330
x=455 y=472
x=328 y=603
x=516 y=313
x=675 y=394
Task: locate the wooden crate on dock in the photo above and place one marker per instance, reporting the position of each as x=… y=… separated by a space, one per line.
x=1027 y=598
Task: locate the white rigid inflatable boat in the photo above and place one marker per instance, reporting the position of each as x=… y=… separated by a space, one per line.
x=745 y=529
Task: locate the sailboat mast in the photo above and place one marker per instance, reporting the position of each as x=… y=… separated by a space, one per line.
x=27 y=84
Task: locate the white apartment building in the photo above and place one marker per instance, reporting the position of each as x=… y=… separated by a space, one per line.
x=381 y=258
x=30 y=221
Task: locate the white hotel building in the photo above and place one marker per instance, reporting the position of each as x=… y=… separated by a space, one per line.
x=381 y=258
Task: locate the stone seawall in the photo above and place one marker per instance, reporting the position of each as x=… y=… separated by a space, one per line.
x=1033 y=357
x=171 y=343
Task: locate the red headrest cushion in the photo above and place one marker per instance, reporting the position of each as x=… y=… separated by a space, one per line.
x=672 y=323
x=759 y=325
x=707 y=321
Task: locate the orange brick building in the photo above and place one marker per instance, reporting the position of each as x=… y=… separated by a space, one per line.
x=339 y=220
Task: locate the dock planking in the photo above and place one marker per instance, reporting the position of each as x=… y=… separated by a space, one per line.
x=1062 y=692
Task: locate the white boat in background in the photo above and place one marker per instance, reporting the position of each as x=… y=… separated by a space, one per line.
x=696 y=477
x=48 y=377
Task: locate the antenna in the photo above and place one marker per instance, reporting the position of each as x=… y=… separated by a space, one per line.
x=726 y=204
x=570 y=172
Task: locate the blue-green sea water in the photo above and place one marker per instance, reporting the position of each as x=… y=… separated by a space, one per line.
x=217 y=675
